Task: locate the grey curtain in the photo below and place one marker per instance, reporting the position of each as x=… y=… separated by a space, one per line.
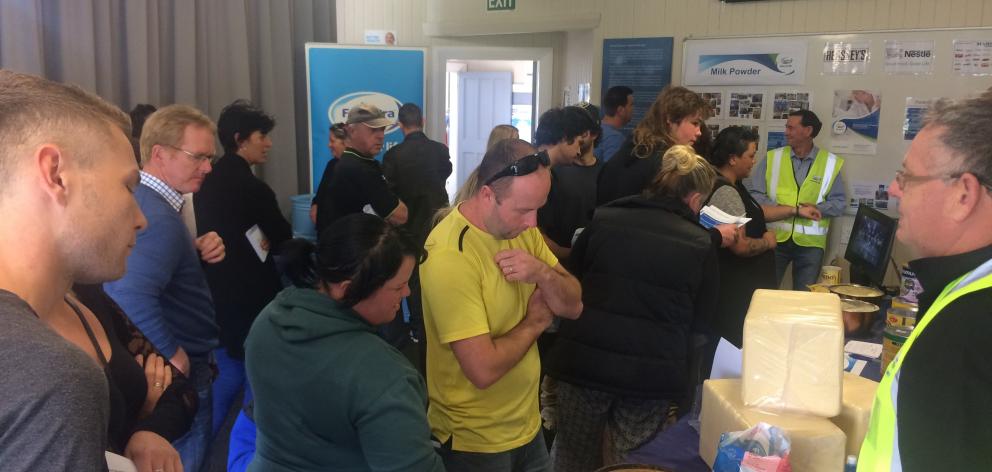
x=205 y=53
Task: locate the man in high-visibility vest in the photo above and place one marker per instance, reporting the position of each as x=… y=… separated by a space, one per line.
x=800 y=189
x=932 y=409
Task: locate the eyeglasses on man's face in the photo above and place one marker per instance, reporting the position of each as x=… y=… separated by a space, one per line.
x=903 y=177
x=198 y=158
x=523 y=166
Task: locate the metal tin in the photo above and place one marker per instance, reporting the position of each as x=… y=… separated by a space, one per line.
x=911 y=287
x=897 y=316
x=892 y=340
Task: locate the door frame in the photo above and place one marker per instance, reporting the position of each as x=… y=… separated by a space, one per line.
x=440 y=55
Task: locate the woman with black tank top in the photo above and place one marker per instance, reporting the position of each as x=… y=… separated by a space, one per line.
x=748 y=264
x=151 y=402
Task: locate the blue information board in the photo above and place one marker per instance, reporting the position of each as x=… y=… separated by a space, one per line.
x=340 y=77
x=643 y=64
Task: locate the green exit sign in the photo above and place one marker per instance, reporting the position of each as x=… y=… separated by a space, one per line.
x=496 y=5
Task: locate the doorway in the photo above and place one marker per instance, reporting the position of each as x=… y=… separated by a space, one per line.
x=482 y=88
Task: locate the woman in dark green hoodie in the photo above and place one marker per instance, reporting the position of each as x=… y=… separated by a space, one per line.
x=329 y=393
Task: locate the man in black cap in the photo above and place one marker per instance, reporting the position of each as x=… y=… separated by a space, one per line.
x=358 y=184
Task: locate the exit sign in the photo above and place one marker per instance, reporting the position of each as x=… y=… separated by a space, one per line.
x=496 y=5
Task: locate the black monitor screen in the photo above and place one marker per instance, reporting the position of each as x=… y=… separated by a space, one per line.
x=870 y=245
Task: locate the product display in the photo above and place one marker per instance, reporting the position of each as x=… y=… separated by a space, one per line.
x=892 y=340
x=855 y=411
x=817 y=444
x=793 y=352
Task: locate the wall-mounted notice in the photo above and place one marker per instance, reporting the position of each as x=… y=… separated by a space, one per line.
x=855 y=121
x=972 y=57
x=846 y=58
x=916 y=109
x=909 y=57
x=775 y=138
x=643 y=64
x=744 y=62
x=788 y=102
x=874 y=194
x=745 y=105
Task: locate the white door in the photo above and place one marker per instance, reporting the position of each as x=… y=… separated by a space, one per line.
x=484 y=101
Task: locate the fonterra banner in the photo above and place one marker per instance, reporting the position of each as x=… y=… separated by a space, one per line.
x=340 y=77
x=744 y=62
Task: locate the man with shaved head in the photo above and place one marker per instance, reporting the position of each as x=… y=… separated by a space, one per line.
x=490 y=288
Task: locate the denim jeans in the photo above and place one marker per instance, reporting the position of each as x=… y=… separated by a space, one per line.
x=805 y=263
x=194 y=446
x=531 y=457
x=230 y=381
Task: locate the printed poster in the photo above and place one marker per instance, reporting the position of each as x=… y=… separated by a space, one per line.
x=909 y=57
x=643 y=64
x=874 y=194
x=744 y=62
x=338 y=79
x=916 y=110
x=846 y=58
x=775 y=138
x=788 y=102
x=972 y=57
x=854 y=129
x=745 y=105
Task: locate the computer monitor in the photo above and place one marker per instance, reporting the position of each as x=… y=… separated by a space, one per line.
x=870 y=246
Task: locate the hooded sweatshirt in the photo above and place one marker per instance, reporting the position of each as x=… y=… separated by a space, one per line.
x=330 y=394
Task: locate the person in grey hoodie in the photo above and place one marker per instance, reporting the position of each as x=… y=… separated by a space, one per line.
x=329 y=393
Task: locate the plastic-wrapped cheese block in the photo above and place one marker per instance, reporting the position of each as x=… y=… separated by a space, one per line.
x=855 y=411
x=794 y=352
x=817 y=444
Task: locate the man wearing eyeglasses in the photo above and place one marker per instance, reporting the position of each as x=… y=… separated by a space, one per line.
x=165 y=291
x=931 y=409
x=490 y=285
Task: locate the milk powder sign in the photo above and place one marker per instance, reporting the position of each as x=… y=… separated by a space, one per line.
x=909 y=57
x=341 y=77
x=744 y=62
x=846 y=58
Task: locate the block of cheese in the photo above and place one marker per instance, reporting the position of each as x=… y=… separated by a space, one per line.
x=816 y=443
x=794 y=352
x=855 y=410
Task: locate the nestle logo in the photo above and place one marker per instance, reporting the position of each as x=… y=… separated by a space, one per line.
x=924 y=53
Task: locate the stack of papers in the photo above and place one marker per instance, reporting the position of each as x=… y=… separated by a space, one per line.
x=711 y=216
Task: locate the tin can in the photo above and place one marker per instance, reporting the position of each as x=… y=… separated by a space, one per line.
x=898 y=316
x=892 y=340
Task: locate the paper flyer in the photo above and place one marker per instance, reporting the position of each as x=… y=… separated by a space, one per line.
x=255 y=237
x=846 y=58
x=715 y=100
x=746 y=105
x=854 y=129
x=916 y=110
x=788 y=102
x=875 y=194
x=909 y=57
x=711 y=216
x=972 y=57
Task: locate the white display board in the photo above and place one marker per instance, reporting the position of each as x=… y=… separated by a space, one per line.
x=943 y=63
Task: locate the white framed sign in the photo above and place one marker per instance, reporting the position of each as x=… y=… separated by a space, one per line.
x=744 y=62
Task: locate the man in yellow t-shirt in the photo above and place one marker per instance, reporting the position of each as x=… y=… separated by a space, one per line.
x=490 y=286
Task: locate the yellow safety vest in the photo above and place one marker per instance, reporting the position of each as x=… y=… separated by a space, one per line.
x=782 y=189
x=880 y=451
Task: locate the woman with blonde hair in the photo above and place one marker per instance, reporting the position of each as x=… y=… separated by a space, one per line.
x=674 y=118
x=649 y=284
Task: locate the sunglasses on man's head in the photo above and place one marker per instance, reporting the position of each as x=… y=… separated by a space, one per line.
x=523 y=166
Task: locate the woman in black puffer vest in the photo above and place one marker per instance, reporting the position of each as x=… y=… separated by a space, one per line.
x=649 y=277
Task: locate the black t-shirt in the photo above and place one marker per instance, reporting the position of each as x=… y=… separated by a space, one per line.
x=356 y=185
x=571 y=201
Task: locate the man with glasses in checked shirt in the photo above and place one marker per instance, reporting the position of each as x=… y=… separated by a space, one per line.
x=490 y=285
x=164 y=291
